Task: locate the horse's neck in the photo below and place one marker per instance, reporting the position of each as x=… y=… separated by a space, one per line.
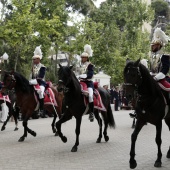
x=74 y=91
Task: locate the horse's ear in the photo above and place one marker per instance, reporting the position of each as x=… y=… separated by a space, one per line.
x=137 y=62
x=71 y=67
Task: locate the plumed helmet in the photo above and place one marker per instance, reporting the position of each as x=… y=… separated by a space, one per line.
x=37 y=53
x=88 y=52
x=159 y=37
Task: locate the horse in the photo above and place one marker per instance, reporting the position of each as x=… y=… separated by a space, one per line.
x=150 y=107
x=75 y=106
x=26 y=100
x=13 y=109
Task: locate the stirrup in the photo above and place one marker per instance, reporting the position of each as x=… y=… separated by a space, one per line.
x=132 y=115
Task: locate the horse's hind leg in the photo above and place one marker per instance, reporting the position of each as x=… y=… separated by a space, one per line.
x=158 y=140
x=78 y=124
x=167 y=121
x=138 y=127
x=99 y=120
x=106 y=137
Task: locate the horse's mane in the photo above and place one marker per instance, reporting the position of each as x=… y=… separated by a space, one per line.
x=22 y=84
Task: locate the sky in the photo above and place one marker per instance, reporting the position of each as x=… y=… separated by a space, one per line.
x=98 y=2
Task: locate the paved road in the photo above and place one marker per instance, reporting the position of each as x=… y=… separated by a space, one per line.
x=47 y=152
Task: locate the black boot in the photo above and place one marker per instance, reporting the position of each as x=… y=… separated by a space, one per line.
x=41 y=108
x=91 y=114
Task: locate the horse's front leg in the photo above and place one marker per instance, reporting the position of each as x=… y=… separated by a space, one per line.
x=16 y=115
x=26 y=129
x=78 y=124
x=99 y=120
x=138 y=127
x=24 y=123
x=63 y=119
x=158 y=140
x=4 y=124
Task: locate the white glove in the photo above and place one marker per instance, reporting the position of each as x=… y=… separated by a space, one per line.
x=83 y=76
x=33 y=82
x=159 y=76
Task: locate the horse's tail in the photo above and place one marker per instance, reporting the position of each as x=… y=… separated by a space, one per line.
x=110 y=117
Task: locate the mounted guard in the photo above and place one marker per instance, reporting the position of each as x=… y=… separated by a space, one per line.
x=38 y=77
x=86 y=75
x=160 y=39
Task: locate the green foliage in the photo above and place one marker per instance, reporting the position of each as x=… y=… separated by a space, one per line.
x=113 y=30
x=161 y=8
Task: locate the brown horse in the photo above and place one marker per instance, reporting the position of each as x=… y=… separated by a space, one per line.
x=26 y=100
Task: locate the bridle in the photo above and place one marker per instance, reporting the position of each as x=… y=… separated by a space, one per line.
x=12 y=82
x=62 y=87
x=139 y=76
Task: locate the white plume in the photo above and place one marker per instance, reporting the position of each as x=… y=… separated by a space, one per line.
x=160 y=36
x=38 y=51
x=87 y=49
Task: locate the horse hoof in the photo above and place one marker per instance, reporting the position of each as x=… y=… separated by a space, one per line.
x=34 y=134
x=158 y=164
x=64 y=139
x=3 y=128
x=16 y=129
x=56 y=133
x=74 y=149
x=106 y=138
x=133 y=164
x=98 y=140
x=21 y=139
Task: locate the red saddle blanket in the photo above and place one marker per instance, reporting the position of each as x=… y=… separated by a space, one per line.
x=98 y=104
x=49 y=97
x=5 y=97
x=164 y=85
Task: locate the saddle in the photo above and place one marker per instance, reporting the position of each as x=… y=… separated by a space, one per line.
x=164 y=84
x=49 y=97
x=98 y=104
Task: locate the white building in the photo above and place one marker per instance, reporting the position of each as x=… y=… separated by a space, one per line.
x=102 y=78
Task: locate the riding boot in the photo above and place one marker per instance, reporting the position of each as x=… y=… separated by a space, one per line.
x=41 y=108
x=91 y=114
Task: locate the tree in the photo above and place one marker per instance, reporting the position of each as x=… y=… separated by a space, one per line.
x=161 y=8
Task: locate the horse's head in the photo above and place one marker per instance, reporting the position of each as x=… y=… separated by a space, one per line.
x=132 y=74
x=65 y=74
x=9 y=80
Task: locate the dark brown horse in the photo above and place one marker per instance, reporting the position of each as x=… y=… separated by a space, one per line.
x=13 y=109
x=151 y=106
x=75 y=106
x=26 y=100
